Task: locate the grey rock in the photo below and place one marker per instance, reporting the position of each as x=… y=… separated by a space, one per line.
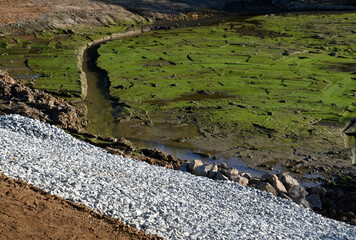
x=241 y=180
x=231 y=173
x=314 y=201
x=184 y=167
x=202 y=170
x=194 y=164
x=288 y=181
x=297 y=191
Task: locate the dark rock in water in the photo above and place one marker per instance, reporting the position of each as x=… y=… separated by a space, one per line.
x=158 y=154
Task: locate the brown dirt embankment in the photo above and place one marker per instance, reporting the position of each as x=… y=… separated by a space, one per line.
x=20 y=10
x=28 y=213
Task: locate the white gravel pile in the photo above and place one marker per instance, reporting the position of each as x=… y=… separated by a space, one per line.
x=172 y=204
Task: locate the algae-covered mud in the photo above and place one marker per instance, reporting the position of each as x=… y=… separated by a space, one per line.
x=270 y=89
x=48 y=59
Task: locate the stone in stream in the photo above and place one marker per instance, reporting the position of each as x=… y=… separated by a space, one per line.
x=288 y=181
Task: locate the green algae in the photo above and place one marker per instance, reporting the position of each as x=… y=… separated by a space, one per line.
x=281 y=73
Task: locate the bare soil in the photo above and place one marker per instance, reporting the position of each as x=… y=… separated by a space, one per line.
x=26 y=212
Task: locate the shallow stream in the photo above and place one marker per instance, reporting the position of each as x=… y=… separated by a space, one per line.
x=159 y=134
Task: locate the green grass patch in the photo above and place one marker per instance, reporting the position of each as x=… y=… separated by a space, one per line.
x=281 y=73
x=48 y=59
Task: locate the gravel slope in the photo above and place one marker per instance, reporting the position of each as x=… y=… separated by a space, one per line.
x=169 y=203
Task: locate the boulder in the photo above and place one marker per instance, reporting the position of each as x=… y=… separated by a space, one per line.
x=202 y=170
x=265 y=186
x=288 y=181
x=220 y=176
x=296 y=192
x=241 y=180
x=194 y=164
x=231 y=173
x=184 y=167
x=274 y=181
x=314 y=200
x=213 y=171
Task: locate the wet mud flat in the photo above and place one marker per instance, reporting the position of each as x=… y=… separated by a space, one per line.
x=182 y=131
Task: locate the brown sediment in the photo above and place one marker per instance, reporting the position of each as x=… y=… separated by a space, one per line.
x=26 y=212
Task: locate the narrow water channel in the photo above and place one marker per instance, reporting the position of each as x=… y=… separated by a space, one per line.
x=102 y=122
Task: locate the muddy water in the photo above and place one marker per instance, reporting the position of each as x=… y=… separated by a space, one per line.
x=160 y=134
